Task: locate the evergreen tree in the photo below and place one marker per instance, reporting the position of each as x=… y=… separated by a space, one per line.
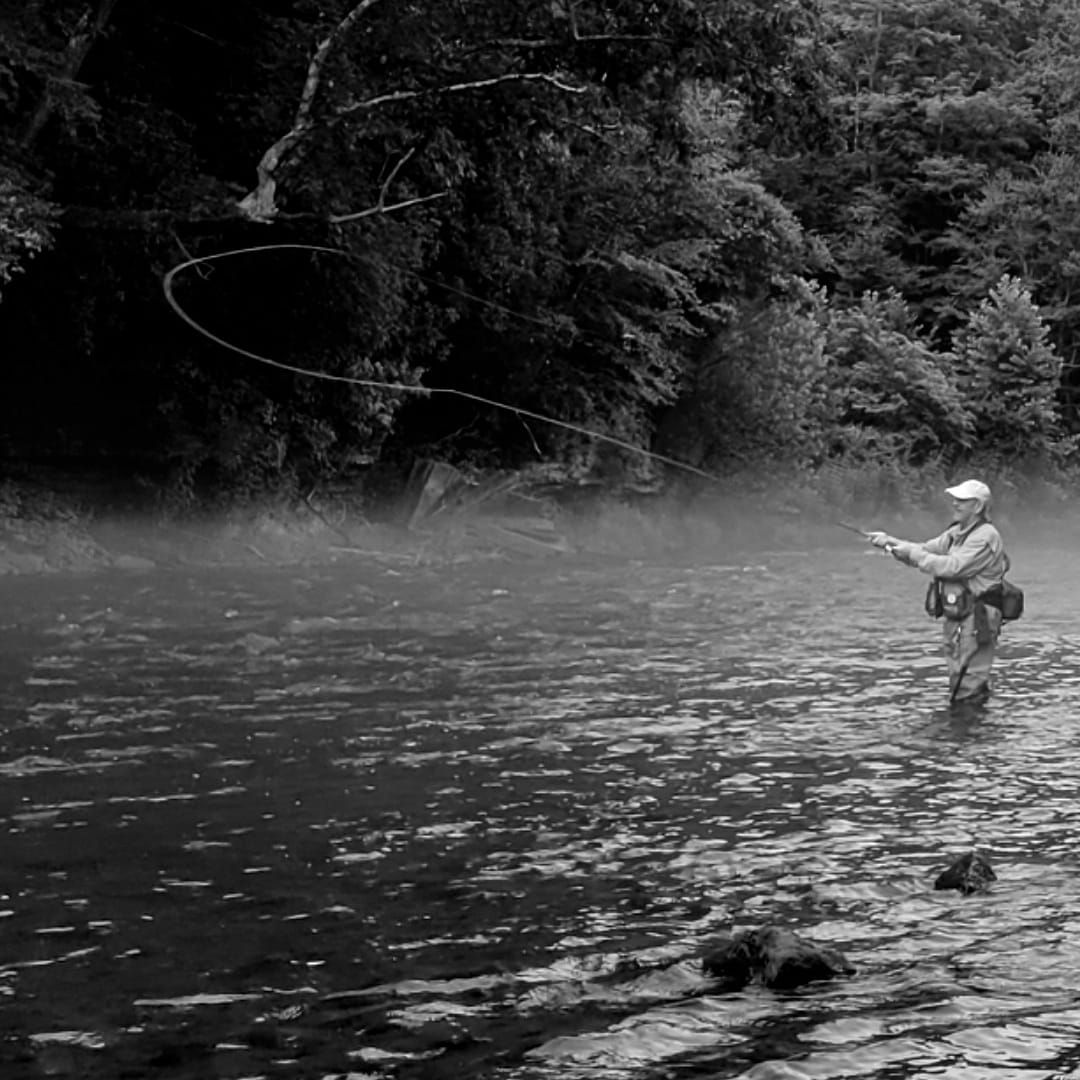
x=1009 y=374
x=891 y=394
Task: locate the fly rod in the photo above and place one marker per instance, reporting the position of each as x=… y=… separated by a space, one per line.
x=863 y=533
x=853 y=528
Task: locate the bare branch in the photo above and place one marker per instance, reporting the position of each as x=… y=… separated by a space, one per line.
x=596 y=132
x=571 y=11
x=393 y=172
x=259 y=204
x=318 y=61
x=456 y=88
x=549 y=43
x=381 y=208
x=517 y=43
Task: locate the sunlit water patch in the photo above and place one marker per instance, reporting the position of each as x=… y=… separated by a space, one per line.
x=485 y=822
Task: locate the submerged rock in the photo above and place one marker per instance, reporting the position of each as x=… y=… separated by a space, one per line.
x=778 y=958
x=731 y=961
x=970 y=873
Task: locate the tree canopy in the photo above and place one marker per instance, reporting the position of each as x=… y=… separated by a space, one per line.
x=639 y=218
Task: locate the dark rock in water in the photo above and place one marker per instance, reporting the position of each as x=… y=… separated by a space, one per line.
x=789 y=960
x=970 y=873
x=778 y=958
x=731 y=961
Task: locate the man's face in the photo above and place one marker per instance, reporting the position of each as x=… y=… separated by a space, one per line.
x=964 y=509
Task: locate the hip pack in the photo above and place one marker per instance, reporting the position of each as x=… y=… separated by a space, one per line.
x=949 y=597
x=1007 y=598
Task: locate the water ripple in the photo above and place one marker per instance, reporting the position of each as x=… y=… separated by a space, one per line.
x=485 y=823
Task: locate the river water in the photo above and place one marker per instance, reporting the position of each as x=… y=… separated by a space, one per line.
x=482 y=821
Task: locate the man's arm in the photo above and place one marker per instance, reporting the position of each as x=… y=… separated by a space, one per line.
x=970 y=557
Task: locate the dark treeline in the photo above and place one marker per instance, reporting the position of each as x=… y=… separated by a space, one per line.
x=817 y=233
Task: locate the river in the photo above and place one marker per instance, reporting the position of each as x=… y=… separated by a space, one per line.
x=482 y=821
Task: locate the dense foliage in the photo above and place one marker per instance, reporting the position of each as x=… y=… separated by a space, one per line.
x=805 y=231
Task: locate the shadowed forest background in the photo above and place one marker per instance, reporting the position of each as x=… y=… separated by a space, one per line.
x=831 y=236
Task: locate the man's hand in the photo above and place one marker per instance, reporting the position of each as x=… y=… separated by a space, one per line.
x=882 y=540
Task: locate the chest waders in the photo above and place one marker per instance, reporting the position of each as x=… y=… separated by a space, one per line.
x=953 y=599
x=958 y=678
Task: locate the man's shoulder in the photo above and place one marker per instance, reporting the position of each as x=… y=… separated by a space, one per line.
x=982 y=533
x=985 y=532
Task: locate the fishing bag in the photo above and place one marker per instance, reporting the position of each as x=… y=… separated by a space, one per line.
x=949 y=597
x=1007 y=598
x=932 y=603
x=1012 y=601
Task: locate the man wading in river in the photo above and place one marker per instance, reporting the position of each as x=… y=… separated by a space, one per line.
x=968 y=564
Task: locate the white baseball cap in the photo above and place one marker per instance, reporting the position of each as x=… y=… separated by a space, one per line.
x=970 y=489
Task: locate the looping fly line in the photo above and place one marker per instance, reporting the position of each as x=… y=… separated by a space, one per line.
x=170 y=296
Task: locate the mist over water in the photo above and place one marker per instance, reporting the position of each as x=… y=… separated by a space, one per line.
x=396 y=821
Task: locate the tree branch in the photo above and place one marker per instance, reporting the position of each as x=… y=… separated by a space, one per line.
x=318 y=61
x=89 y=217
x=393 y=172
x=549 y=43
x=382 y=208
x=455 y=88
x=259 y=205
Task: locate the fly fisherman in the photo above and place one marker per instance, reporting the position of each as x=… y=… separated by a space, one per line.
x=968 y=564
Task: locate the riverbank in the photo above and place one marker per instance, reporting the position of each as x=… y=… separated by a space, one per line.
x=49 y=529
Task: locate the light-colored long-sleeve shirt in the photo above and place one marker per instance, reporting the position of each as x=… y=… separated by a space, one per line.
x=975 y=555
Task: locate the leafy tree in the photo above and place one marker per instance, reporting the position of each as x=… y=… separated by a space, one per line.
x=572 y=209
x=497 y=176
x=1026 y=226
x=927 y=104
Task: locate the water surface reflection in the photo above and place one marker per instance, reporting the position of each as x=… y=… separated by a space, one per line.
x=482 y=822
